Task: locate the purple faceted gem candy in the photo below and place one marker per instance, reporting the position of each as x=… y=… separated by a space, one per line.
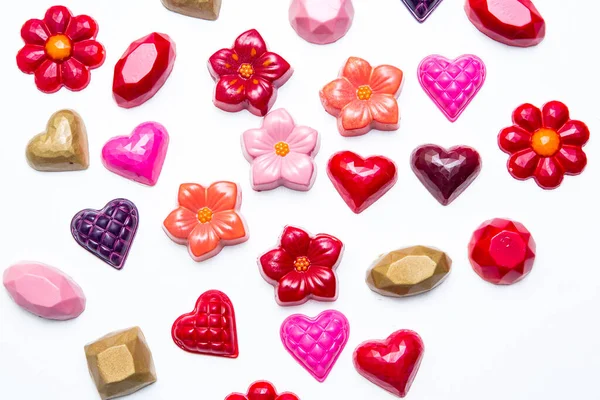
x=421 y=9
x=107 y=233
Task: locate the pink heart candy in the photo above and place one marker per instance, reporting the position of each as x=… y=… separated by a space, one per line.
x=316 y=343
x=139 y=156
x=452 y=84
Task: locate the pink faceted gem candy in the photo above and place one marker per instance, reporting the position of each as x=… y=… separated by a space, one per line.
x=452 y=84
x=321 y=21
x=316 y=343
x=139 y=156
x=44 y=290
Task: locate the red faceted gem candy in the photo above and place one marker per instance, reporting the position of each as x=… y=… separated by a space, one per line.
x=143 y=69
x=502 y=251
x=262 y=390
x=361 y=181
x=512 y=22
x=392 y=363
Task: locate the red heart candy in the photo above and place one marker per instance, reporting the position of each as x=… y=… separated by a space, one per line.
x=391 y=363
x=210 y=328
x=361 y=181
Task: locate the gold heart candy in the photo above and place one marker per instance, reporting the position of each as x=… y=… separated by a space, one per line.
x=205 y=9
x=63 y=147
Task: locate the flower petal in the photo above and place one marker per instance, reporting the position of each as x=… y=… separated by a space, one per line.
x=275 y=264
x=259 y=93
x=230 y=90
x=192 y=196
x=522 y=164
x=321 y=282
x=266 y=171
x=222 y=196
x=357 y=71
x=271 y=66
x=574 y=133
x=337 y=94
x=203 y=241
x=223 y=62
x=82 y=27
x=386 y=79
x=180 y=223
x=90 y=53
x=384 y=109
x=549 y=173
x=295 y=242
x=279 y=124
x=555 y=114
x=35 y=31
x=228 y=225
x=297 y=170
x=572 y=159
x=47 y=77
x=356 y=115
x=292 y=288
x=257 y=142
x=513 y=139
x=249 y=46
x=528 y=117
x=30 y=57
x=324 y=251
x=75 y=75
x=303 y=140
x=57 y=19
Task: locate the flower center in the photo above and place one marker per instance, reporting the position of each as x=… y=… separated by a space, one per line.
x=301 y=264
x=58 y=47
x=205 y=215
x=282 y=149
x=246 y=71
x=545 y=142
x=364 y=92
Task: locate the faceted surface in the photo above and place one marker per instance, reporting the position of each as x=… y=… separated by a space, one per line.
x=502 y=251
x=62 y=147
x=44 y=290
x=321 y=21
x=421 y=9
x=107 y=233
x=512 y=22
x=445 y=173
x=204 y=9
x=262 y=390
x=139 y=156
x=120 y=363
x=209 y=329
x=143 y=69
x=408 y=271
x=361 y=181
x=392 y=363
x=316 y=343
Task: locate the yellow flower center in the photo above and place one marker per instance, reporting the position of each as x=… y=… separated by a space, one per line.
x=205 y=215
x=364 y=92
x=545 y=142
x=282 y=149
x=58 y=47
x=301 y=264
x=246 y=71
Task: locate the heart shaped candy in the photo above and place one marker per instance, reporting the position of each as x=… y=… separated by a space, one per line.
x=107 y=233
x=451 y=84
x=361 y=181
x=445 y=173
x=391 y=363
x=316 y=343
x=210 y=328
x=62 y=147
x=139 y=156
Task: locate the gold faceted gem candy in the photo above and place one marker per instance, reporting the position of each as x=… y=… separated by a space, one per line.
x=120 y=363
x=408 y=271
x=62 y=147
x=205 y=9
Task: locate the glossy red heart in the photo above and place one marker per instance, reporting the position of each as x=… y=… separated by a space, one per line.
x=391 y=363
x=361 y=181
x=210 y=328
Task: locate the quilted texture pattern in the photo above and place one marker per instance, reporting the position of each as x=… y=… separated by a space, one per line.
x=452 y=84
x=316 y=343
x=109 y=232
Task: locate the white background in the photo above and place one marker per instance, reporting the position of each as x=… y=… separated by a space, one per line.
x=537 y=339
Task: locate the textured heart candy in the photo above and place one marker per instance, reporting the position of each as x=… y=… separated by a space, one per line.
x=452 y=84
x=421 y=9
x=209 y=329
x=139 y=156
x=62 y=147
x=204 y=9
x=361 y=181
x=445 y=173
x=316 y=343
x=107 y=233
x=391 y=363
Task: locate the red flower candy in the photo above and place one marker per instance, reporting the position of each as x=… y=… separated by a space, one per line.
x=545 y=145
x=302 y=267
x=248 y=75
x=60 y=50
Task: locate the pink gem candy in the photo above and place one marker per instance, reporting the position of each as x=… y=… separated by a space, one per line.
x=321 y=21
x=316 y=343
x=139 y=156
x=44 y=290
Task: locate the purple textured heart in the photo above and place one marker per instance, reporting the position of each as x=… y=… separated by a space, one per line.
x=421 y=9
x=445 y=173
x=107 y=233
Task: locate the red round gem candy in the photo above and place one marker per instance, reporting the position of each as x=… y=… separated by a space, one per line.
x=502 y=251
x=262 y=390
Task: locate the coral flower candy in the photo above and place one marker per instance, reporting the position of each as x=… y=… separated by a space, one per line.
x=60 y=50
x=262 y=390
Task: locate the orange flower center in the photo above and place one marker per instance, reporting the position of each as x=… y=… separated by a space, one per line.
x=205 y=215
x=545 y=142
x=364 y=92
x=282 y=149
x=58 y=47
x=246 y=71
x=301 y=264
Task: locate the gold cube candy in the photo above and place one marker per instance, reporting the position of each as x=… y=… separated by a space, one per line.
x=409 y=271
x=120 y=363
x=204 y=9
